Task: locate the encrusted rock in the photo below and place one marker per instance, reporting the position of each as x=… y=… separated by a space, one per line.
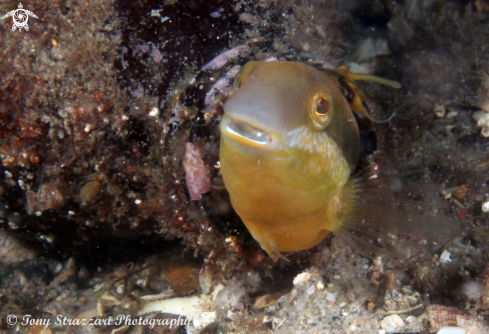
x=441 y=316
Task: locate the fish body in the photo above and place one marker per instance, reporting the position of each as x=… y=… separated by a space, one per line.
x=288 y=147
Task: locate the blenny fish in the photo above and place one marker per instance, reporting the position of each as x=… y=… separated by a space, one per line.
x=289 y=146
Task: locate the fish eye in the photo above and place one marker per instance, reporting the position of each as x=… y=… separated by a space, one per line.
x=320 y=110
x=322 y=107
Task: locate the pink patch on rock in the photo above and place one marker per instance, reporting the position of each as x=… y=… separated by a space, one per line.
x=197 y=175
x=217 y=63
x=156 y=55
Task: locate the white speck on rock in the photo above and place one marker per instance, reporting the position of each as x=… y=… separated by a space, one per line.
x=478 y=115
x=330 y=297
x=473 y=290
x=440 y=111
x=392 y=323
x=451 y=330
x=445 y=256
x=482 y=122
x=155 y=111
x=156 y=12
x=485 y=207
x=203 y=319
x=310 y=290
x=302 y=278
x=452 y=114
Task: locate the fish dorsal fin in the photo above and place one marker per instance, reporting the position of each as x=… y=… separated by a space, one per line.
x=348 y=76
x=353 y=95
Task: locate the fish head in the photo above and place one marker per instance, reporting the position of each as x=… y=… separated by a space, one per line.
x=292 y=116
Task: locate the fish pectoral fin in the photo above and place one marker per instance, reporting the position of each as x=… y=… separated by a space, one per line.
x=373 y=210
x=266 y=240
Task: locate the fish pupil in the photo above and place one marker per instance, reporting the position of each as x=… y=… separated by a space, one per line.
x=322 y=107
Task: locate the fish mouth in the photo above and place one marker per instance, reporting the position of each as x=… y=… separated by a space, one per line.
x=248 y=134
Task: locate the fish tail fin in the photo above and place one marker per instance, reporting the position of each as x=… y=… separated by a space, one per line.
x=379 y=214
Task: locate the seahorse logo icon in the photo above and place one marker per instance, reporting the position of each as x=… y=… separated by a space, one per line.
x=20 y=17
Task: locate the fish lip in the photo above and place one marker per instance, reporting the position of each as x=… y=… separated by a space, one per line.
x=248 y=134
